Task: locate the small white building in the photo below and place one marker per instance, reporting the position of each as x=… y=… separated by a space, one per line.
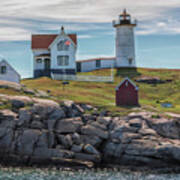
x=54 y=54
x=8 y=73
x=94 y=64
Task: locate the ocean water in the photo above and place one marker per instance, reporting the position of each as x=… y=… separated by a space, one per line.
x=37 y=174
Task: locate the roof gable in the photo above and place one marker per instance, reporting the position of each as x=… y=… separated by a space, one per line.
x=43 y=41
x=7 y=64
x=59 y=37
x=124 y=80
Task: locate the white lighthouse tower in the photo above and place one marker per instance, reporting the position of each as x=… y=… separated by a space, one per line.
x=125 y=45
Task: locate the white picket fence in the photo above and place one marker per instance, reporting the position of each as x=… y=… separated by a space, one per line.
x=82 y=78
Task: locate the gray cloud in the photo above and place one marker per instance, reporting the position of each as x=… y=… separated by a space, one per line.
x=20 y=18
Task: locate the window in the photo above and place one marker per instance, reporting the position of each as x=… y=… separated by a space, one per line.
x=63 y=45
x=3 y=70
x=63 y=60
x=98 y=63
x=130 y=61
x=39 y=60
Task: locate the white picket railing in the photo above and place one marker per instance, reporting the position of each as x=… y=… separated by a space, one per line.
x=82 y=78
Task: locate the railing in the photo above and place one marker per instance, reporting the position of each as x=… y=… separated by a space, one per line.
x=82 y=78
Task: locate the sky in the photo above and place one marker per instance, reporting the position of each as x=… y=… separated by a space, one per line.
x=157 y=35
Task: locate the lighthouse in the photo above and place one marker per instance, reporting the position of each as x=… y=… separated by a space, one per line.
x=125 y=43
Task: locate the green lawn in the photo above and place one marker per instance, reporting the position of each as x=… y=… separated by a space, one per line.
x=103 y=94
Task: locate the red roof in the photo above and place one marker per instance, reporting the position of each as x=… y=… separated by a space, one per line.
x=43 y=41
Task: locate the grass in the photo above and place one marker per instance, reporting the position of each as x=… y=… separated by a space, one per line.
x=103 y=94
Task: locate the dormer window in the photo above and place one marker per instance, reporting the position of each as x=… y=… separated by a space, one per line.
x=63 y=45
x=3 y=70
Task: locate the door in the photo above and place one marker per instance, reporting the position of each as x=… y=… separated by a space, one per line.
x=78 y=67
x=129 y=98
x=47 y=67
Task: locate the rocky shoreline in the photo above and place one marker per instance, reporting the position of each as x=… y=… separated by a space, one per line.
x=44 y=133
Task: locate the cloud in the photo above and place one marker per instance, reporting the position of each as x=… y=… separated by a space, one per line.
x=85 y=36
x=21 y=18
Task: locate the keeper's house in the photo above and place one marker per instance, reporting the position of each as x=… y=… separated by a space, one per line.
x=54 y=54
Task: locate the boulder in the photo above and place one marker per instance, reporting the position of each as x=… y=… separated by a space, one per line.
x=49 y=104
x=88 y=157
x=37 y=125
x=98 y=125
x=127 y=137
x=142 y=148
x=77 y=148
x=36 y=117
x=118 y=132
x=71 y=109
x=93 y=140
x=27 y=141
x=66 y=141
x=104 y=120
x=147 y=132
x=8 y=119
x=90 y=149
x=91 y=130
x=86 y=107
x=45 y=153
x=28 y=91
x=88 y=118
x=42 y=153
x=79 y=108
x=41 y=93
x=20 y=99
x=42 y=110
x=51 y=124
x=57 y=114
x=60 y=146
x=168 y=128
x=61 y=153
x=6 y=140
x=137 y=123
x=70 y=125
x=8 y=115
x=51 y=139
x=25 y=117
x=68 y=104
x=115 y=150
x=17 y=104
x=10 y=85
x=76 y=138
x=43 y=140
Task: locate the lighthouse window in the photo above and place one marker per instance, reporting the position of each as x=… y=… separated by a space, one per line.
x=130 y=61
x=98 y=63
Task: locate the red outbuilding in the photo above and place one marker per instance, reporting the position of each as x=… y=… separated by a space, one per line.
x=127 y=93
